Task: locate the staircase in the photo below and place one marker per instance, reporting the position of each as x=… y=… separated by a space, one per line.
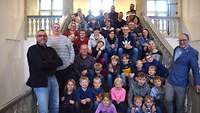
x=160 y=28
x=165 y=32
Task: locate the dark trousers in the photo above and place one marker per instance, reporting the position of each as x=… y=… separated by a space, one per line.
x=121 y=107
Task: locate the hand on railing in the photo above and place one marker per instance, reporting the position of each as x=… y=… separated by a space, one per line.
x=197 y=89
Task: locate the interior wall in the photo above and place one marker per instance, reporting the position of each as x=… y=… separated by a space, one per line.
x=191 y=15
x=120 y=5
x=32 y=7
x=12 y=78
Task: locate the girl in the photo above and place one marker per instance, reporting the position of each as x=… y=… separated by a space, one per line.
x=106 y=105
x=118 y=94
x=68 y=100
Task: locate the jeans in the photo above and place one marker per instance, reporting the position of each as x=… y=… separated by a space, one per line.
x=110 y=80
x=179 y=93
x=48 y=97
x=134 y=53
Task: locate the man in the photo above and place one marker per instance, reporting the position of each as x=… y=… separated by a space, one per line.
x=184 y=58
x=113 y=14
x=127 y=44
x=65 y=50
x=83 y=59
x=82 y=39
x=43 y=61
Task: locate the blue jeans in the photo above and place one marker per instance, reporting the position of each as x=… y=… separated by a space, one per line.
x=179 y=93
x=111 y=78
x=133 y=53
x=48 y=97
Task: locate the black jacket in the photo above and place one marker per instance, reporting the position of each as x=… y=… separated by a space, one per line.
x=42 y=62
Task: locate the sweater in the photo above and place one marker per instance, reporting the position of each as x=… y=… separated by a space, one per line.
x=64 y=49
x=104 y=109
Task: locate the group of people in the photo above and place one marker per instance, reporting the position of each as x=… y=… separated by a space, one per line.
x=105 y=64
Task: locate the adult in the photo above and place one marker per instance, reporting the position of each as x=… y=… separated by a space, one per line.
x=82 y=60
x=82 y=39
x=113 y=14
x=65 y=50
x=119 y=23
x=132 y=10
x=154 y=51
x=71 y=33
x=184 y=58
x=43 y=61
x=111 y=44
x=127 y=45
x=94 y=38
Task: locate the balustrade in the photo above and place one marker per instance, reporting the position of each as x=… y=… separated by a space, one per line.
x=168 y=26
x=34 y=23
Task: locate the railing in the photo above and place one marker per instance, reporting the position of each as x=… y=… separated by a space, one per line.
x=24 y=103
x=168 y=26
x=34 y=23
x=161 y=43
x=192 y=98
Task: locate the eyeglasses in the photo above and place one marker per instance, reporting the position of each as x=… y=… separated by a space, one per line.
x=42 y=35
x=182 y=40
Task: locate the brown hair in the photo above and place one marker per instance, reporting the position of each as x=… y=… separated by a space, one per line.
x=70 y=80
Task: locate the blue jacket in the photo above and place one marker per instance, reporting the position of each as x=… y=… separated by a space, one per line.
x=179 y=70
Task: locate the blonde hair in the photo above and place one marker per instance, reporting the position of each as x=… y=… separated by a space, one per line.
x=118 y=79
x=84 y=78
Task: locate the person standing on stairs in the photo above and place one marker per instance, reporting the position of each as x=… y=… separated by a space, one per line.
x=184 y=58
x=42 y=62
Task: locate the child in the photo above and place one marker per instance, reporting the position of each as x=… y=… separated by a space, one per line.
x=139 y=87
x=106 y=105
x=126 y=69
x=118 y=95
x=98 y=52
x=97 y=91
x=98 y=67
x=84 y=96
x=113 y=70
x=149 y=106
x=137 y=107
x=157 y=92
x=151 y=75
x=139 y=67
x=68 y=100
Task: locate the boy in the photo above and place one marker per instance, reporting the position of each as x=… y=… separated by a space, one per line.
x=126 y=69
x=84 y=96
x=137 y=107
x=97 y=91
x=157 y=92
x=151 y=75
x=138 y=88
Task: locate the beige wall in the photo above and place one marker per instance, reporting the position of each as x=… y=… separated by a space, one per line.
x=32 y=7
x=191 y=15
x=12 y=78
x=121 y=5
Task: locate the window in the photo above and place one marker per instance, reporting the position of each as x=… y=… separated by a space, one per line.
x=97 y=5
x=157 y=8
x=50 y=7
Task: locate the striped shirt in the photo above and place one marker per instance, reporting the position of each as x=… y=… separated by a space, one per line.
x=64 y=49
